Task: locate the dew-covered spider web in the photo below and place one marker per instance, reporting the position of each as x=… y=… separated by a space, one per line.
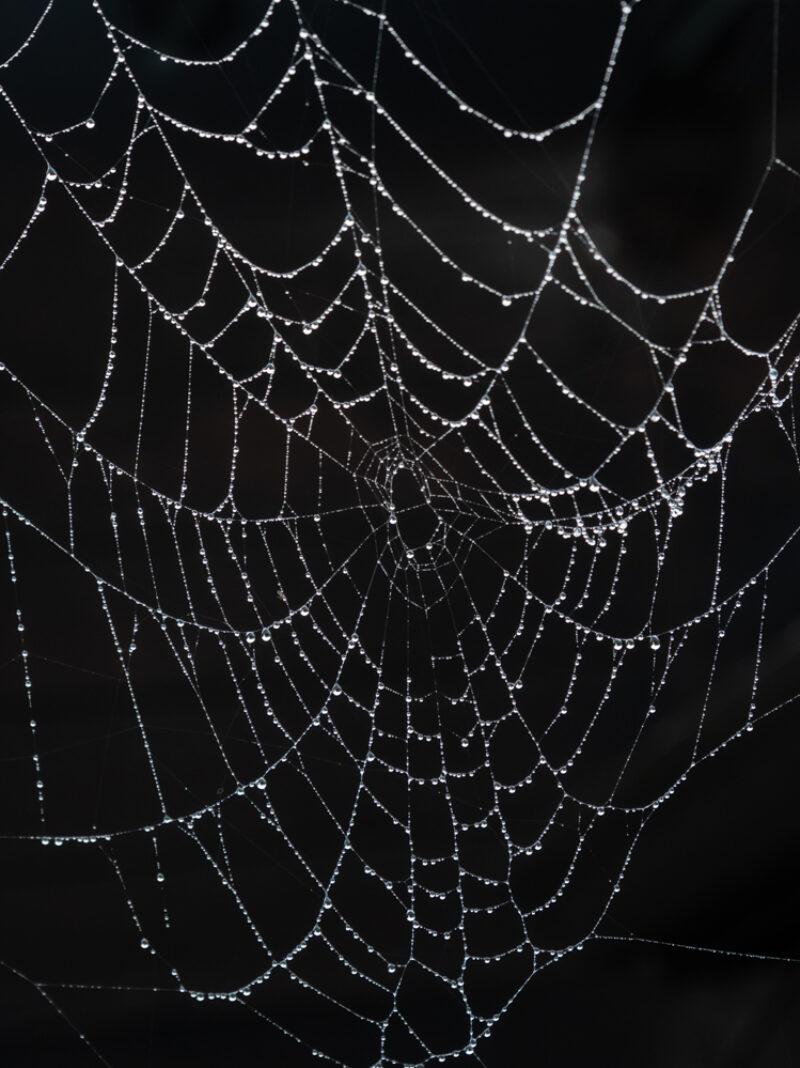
x=387 y=540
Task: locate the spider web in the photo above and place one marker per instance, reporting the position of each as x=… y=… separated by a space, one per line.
x=399 y=546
